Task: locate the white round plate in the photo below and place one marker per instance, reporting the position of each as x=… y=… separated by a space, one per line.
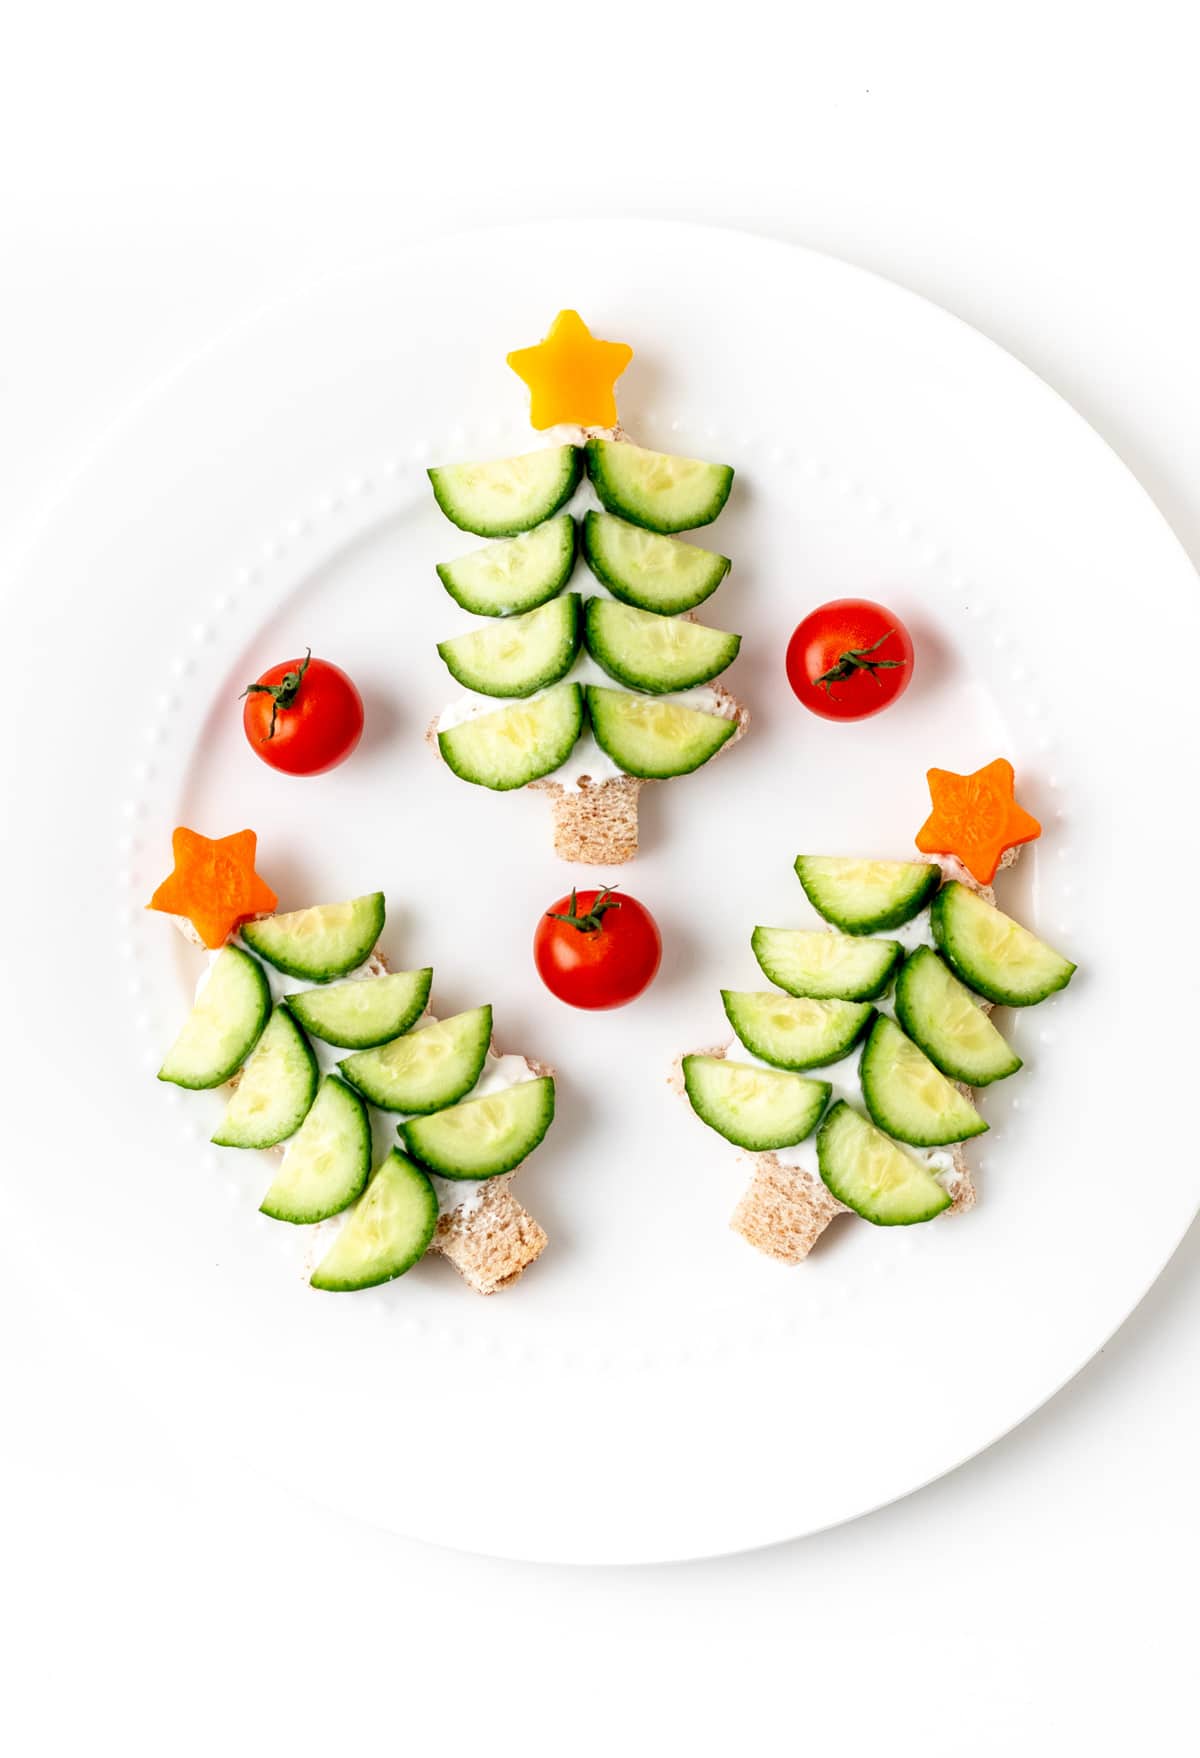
x=652 y=1388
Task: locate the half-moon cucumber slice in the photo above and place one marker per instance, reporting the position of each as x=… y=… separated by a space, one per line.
x=507 y=496
x=426 y=1070
x=656 y=489
x=868 y=1172
x=653 y=738
x=320 y=943
x=517 y=655
x=646 y=570
x=827 y=966
x=994 y=955
x=277 y=1086
x=655 y=653
x=386 y=1233
x=795 y=1033
x=365 y=1012
x=941 y=1015
x=907 y=1096
x=511 y=747
x=484 y=1137
x=503 y=579
x=864 y=897
x=224 y=1025
x=757 y=1109
x=327 y=1162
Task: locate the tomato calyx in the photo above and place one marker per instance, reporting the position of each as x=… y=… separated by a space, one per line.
x=593 y=920
x=284 y=693
x=856 y=659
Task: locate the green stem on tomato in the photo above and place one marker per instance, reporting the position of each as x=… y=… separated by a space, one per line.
x=592 y=921
x=856 y=659
x=284 y=693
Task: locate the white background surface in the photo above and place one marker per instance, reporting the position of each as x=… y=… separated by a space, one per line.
x=1033 y=171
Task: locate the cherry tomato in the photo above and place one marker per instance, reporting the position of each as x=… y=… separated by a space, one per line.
x=304 y=716
x=595 y=950
x=849 y=659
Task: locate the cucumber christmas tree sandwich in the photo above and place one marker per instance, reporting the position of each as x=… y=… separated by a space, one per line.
x=584 y=701
x=849 y=1083
x=405 y=1128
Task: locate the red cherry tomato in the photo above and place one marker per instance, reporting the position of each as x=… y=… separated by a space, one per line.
x=849 y=659
x=304 y=716
x=595 y=950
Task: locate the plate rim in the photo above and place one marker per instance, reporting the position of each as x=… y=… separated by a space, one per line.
x=161 y=387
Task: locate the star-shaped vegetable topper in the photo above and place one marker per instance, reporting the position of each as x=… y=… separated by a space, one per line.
x=571 y=375
x=214 y=884
x=975 y=818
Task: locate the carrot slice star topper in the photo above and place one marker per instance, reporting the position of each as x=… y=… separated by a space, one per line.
x=975 y=818
x=571 y=375
x=214 y=884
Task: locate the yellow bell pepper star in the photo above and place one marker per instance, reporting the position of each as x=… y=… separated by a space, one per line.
x=571 y=375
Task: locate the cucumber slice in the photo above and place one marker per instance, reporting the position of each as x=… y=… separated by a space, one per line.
x=754 y=1108
x=652 y=652
x=327 y=1162
x=223 y=1026
x=363 y=1013
x=862 y=897
x=828 y=967
x=427 y=1070
x=649 y=571
x=519 y=655
x=389 y=1229
x=873 y=1176
x=277 y=1088
x=992 y=954
x=486 y=1136
x=907 y=1096
x=513 y=746
x=320 y=943
x=655 y=489
x=508 y=495
x=516 y=575
x=654 y=739
x=944 y=1018
x=795 y=1033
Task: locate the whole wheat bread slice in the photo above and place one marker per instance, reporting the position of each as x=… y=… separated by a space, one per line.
x=784 y=1210
x=490 y=1242
x=595 y=824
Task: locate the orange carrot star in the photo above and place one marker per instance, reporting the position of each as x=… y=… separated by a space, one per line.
x=975 y=818
x=214 y=884
x=571 y=375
